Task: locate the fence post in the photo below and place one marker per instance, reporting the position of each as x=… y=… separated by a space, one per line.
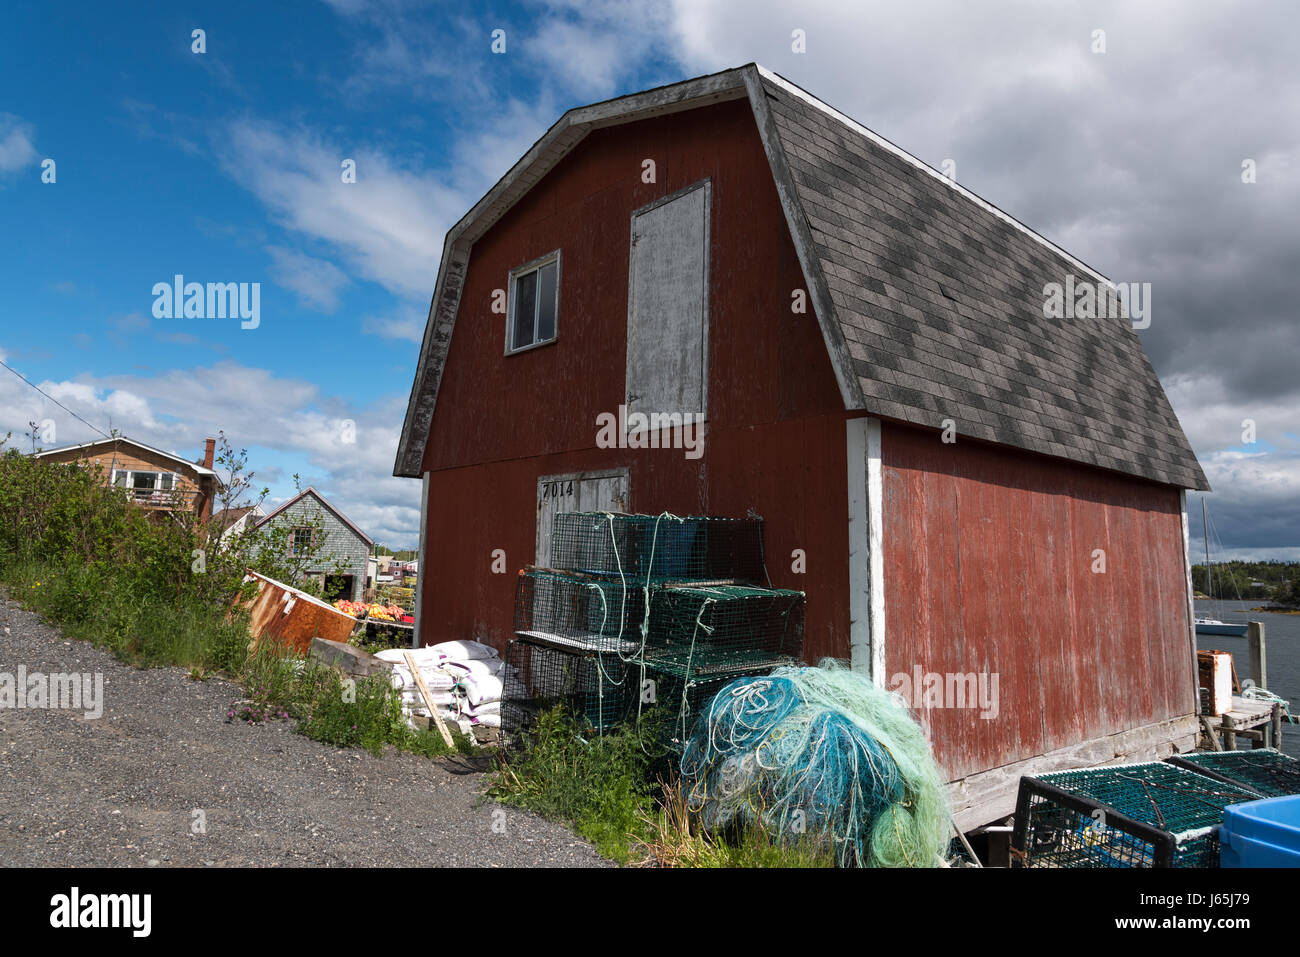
x=1258 y=653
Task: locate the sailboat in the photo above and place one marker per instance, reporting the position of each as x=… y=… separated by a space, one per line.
x=1213 y=626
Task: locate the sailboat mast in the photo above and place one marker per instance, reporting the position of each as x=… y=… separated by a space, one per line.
x=1205 y=531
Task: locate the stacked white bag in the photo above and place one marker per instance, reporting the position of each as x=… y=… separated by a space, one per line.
x=465 y=678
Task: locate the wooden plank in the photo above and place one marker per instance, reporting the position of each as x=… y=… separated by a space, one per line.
x=991 y=795
x=668 y=304
x=428 y=698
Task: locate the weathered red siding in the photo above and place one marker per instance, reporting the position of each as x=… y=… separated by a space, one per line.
x=988 y=568
x=775 y=435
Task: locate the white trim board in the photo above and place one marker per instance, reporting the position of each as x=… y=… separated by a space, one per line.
x=855 y=453
x=876 y=553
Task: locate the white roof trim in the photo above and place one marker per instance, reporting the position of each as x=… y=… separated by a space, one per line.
x=201 y=469
x=880 y=141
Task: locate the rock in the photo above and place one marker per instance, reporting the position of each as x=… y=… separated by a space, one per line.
x=348 y=658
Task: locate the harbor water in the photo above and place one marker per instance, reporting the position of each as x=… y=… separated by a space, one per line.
x=1282 y=645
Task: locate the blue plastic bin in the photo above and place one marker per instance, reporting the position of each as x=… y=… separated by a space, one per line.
x=1261 y=833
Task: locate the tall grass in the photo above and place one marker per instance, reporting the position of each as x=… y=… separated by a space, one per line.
x=618 y=791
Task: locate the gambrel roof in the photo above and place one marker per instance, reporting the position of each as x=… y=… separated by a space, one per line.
x=929 y=298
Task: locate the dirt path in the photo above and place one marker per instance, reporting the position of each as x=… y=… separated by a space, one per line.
x=131 y=788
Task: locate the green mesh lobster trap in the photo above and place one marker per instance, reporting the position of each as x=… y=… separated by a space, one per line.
x=1266 y=772
x=595 y=686
x=706 y=626
x=1127 y=816
x=657 y=548
x=676 y=692
x=578 y=611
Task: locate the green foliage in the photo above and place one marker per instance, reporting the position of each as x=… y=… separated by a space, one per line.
x=600 y=784
x=156 y=589
x=1232 y=580
x=607 y=788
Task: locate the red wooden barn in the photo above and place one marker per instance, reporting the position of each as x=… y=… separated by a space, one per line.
x=967 y=488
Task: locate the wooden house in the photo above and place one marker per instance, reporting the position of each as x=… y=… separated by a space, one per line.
x=966 y=485
x=153 y=479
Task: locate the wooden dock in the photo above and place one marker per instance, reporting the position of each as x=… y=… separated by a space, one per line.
x=1259 y=721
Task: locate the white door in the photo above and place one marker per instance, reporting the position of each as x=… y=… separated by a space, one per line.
x=605 y=491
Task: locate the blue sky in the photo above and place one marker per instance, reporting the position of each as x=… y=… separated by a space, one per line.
x=224 y=166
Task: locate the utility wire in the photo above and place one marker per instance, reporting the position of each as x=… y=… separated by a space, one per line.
x=54 y=400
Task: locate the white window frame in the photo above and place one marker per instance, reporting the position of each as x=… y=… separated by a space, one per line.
x=511 y=299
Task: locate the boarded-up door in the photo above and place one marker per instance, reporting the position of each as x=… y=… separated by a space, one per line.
x=667 y=312
x=576 y=492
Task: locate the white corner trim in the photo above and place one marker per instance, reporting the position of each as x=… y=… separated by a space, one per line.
x=1191 y=592
x=419 y=576
x=855 y=450
x=876 y=554
x=926 y=168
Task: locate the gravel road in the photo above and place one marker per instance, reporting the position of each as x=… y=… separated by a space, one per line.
x=132 y=787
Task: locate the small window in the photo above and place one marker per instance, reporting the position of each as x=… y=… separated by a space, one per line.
x=167 y=481
x=299 y=541
x=121 y=477
x=534 y=303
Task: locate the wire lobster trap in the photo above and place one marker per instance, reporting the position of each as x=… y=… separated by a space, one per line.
x=1126 y=816
x=704 y=626
x=658 y=548
x=580 y=611
x=678 y=693
x=1266 y=772
x=595 y=686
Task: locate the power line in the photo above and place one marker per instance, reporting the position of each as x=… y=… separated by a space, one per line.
x=54 y=400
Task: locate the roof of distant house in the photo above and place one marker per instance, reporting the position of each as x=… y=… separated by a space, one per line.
x=123 y=440
x=323 y=501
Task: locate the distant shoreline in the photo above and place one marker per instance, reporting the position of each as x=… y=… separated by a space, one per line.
x=1278 y=610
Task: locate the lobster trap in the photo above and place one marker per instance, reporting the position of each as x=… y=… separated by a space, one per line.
x=705 y=627
x=579 y=611
x=595 y=686
x=1266 y=772
x=659 y=548
x=1127 y=816
x=677 y=694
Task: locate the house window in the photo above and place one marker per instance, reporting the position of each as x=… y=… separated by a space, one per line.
x=120 y=478
x=166 y=481
x=534 y=303
x=143 y=481
x=299 y=541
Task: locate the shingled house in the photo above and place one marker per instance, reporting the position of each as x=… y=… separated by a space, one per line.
x=341 y=554
x=962 y=484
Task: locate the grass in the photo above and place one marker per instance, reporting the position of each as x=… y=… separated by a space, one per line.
x=103 y=605
x=99 y=605
x=610 y=789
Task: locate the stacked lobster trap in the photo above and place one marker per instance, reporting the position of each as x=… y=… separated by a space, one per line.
x=645 y=612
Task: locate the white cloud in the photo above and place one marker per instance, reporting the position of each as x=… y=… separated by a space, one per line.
x=316 y=281
x=16 y=147
x=407 y=328
x=177 y=409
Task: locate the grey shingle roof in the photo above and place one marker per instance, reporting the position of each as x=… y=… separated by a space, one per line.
x=940 y=301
